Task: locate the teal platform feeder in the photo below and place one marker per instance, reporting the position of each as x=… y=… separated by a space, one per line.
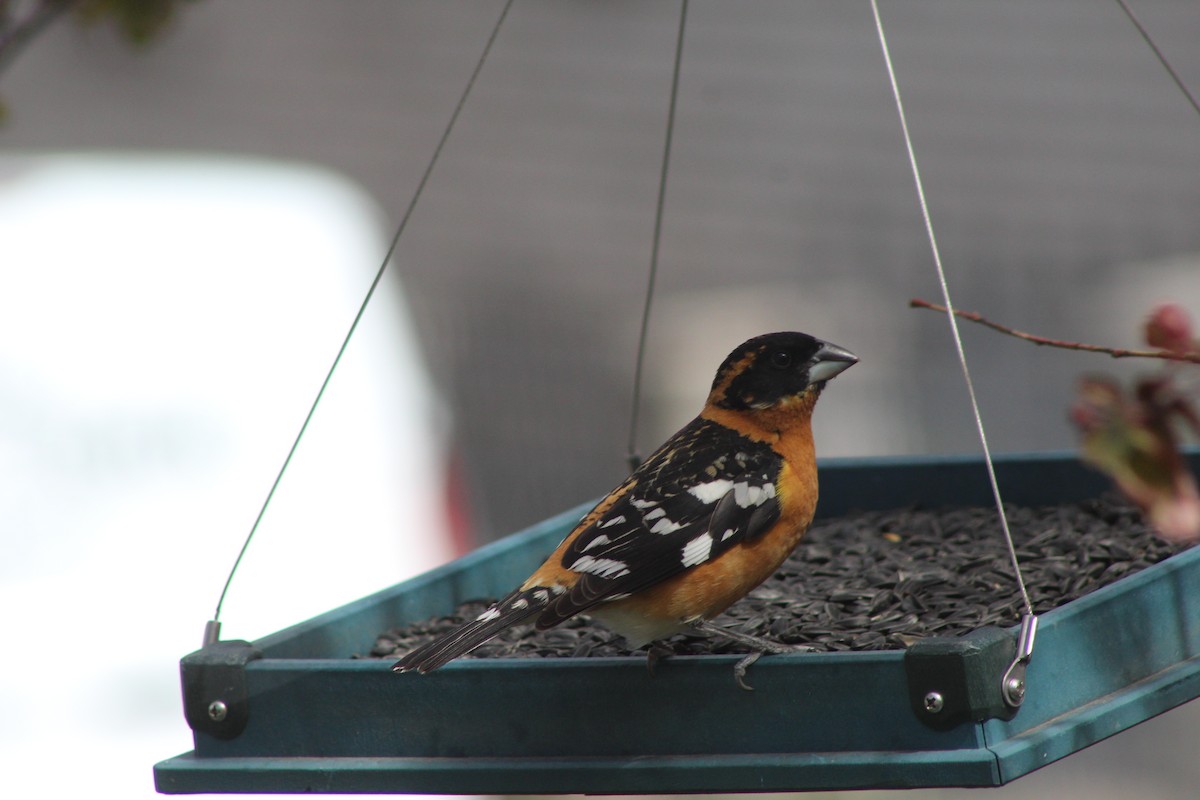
x=293 y=713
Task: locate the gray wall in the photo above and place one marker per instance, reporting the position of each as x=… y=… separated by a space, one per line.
x=1059 y=159
x=1061 y=166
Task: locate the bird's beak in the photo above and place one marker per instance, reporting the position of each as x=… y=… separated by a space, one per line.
x=829 y=362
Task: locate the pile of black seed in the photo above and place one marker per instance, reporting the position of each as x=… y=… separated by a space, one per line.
x=879 y=581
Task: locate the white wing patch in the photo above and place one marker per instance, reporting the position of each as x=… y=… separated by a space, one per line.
x=599 y=540
x=697 y=550
x=662 y=523
x=746 y=495
x=488 y=615
x=665 y=526
x=617 y=520
x=603 y=567
x=712 y=491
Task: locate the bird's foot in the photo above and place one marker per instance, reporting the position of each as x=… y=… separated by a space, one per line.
x=654 y=653
x=757 y=645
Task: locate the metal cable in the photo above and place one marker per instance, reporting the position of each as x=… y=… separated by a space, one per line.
x=941 y=273
x=1162 y=58
x=212 y=630
x=631 y=450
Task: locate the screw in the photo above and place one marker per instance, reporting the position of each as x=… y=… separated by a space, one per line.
x=217 y=710
x=1016 y=689
x=934 y=702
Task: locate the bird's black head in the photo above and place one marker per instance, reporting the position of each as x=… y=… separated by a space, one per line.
x=769 y=368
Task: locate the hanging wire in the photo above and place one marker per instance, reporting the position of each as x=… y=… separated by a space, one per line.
x=631 y=450
x=213 y=627
x=941 y=273
x=1162 y=58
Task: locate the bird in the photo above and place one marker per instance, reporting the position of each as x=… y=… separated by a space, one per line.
x=706 y=518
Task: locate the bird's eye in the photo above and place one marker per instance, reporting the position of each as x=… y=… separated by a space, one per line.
x=781 y=359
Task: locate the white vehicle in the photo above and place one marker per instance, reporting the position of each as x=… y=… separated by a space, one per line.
x=165 y=324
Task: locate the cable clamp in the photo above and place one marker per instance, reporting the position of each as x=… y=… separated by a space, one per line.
x=1013 y=683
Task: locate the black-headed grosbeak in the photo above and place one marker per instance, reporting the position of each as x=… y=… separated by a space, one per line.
x=704 y=520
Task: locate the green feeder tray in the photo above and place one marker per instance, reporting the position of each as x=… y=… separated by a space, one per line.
x=293 y=713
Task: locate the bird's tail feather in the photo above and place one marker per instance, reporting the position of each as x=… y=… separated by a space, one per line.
x=518 y=607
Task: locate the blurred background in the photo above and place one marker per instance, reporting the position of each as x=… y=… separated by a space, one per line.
x=495 y=372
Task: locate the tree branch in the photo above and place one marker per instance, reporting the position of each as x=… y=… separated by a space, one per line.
x=1115 y=352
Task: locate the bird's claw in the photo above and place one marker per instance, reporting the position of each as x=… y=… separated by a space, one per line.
x=654 y=653
x=739 y=670
x=757 y=645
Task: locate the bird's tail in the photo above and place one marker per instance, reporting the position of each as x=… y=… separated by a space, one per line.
x=518 y=607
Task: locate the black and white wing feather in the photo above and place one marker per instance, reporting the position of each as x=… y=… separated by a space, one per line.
x=704 y=491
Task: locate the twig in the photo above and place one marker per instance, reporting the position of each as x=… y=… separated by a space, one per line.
x=1115 y=352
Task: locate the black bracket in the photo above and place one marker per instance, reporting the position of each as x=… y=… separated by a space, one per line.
x=952 y=680
x=215 y=699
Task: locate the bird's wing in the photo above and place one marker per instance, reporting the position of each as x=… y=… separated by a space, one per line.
x=705 y=490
